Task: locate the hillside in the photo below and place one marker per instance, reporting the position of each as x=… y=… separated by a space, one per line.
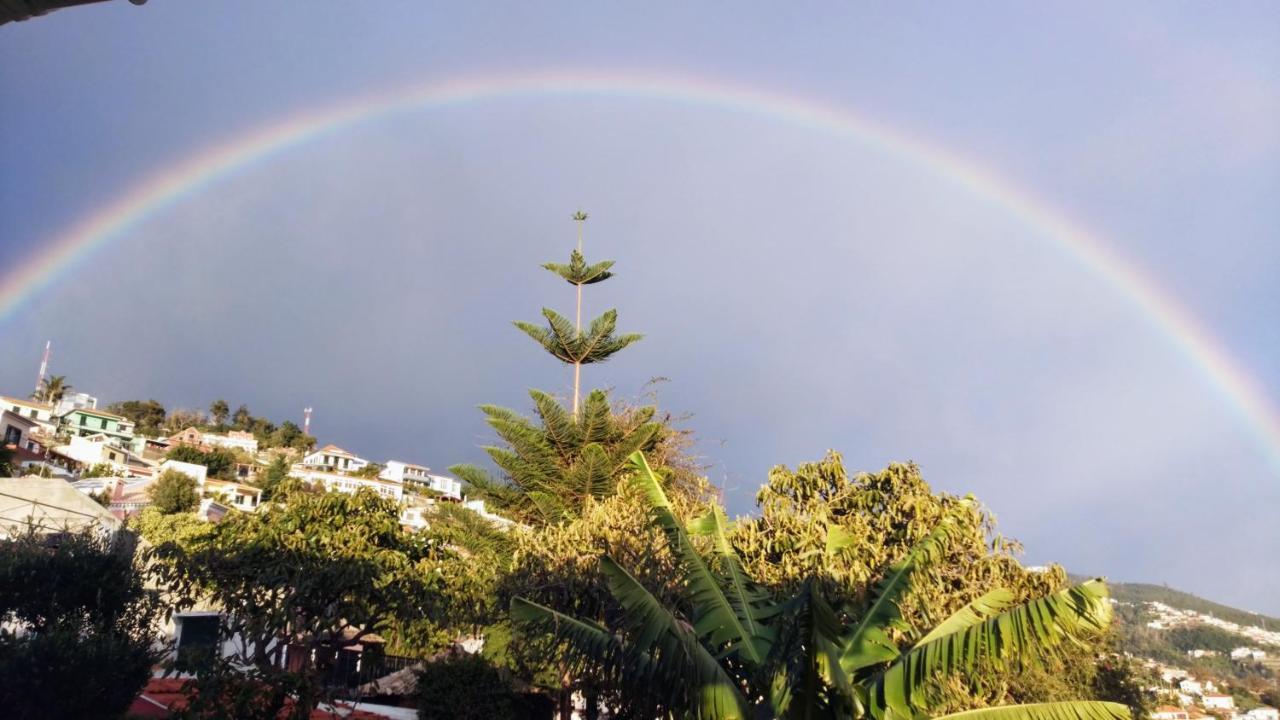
x=1142 y=593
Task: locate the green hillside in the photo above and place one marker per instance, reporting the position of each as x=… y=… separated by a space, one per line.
x=1142 y=592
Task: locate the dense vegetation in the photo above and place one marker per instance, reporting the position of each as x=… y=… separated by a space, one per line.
x=852 y=595
x=151 y=418
x=1142 y=593
x=78 y=626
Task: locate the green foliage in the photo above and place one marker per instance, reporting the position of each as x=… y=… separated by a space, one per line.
x=218 y=410
x=100 y=470
x=275 y=474
x=368 y=471
x=722 y=652
x=326 y=570
x=221 y=462
x=148 y=416
x=159 y=528
x=1144 y=593
x=575 y=347
x=79 y=626
x=52 y=389
x=174 y=492
x=465 y=687
x=554 y=465
x=7 y=466
x=1204 y=637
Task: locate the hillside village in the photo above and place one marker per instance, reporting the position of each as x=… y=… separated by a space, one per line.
x=104 y=454
x=1234 y=680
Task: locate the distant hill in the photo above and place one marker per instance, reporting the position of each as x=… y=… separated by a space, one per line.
x=1144 y=592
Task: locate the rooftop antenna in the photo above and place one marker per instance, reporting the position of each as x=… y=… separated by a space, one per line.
x=306 y=421
x=44 y=364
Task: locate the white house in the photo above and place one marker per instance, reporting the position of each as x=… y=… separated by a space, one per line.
x=15 y=431
x=1216 y=701
x=194 y=471
x=1168 y=712
x=99 y=449
x=338 y=482
x=1201 y=653
x=335 y=459
x=40 y=412
x=232 y=494
x=1191 y=686
x=477 y=506
x=235 y=439
x=1263 y=713
x=76 y=401
x=1248 y=653
x=420 y=476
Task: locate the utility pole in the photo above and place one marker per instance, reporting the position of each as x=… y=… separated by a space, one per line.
x=306 y=421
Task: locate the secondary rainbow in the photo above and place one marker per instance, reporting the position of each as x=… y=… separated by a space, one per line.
x=171 y=185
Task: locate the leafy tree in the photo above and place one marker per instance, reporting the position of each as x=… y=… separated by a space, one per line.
x=100 y=470
x=567 y=342
x=52 y=389
x=728 y=651
x=147 y=415
x=275 y=474
x=7 y=466
x=80 y=628
x=180 y=419
x=174 y=492
x=324 y=570
x=242 y=420
x=218 y=410
x=465 y=687
x=372 y=470
x=551 y=467
x=221 y=462
x=159 y=528
x=289 y=435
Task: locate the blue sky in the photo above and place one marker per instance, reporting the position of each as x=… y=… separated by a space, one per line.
x=801 y=292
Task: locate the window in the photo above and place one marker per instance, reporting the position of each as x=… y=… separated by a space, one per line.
x=197 y=637
x=31 y=413
x=84 y=420
x=12 y=436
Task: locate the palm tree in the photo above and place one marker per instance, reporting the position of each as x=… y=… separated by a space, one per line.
x=730 y=652
x=52 y=389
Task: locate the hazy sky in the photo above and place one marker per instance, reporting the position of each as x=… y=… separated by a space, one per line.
x=799 y=290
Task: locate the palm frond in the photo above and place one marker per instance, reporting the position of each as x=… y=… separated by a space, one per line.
x=716 y=617
x=869 y=642
x=665 y=653
x=1024 y=631
x=1073 y=710
x=987 y=606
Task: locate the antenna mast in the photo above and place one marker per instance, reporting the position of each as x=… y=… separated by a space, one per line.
x=44 y=364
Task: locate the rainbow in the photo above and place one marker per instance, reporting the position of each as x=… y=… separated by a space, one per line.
x=171 y=185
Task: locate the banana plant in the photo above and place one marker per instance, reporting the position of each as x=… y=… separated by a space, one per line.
x=733 y=652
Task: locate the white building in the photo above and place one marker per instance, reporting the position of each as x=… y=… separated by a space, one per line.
x=334 y=459
x=1248 y=653
x=477 y=506
x=338 y=482
x=15 y=431
x=235 y=439
x=420 y=476
x=1215 y=701
x=231 y=494
x=99 y=449
x=1263 y=713
x=194 y=471
x=1168 y=712
x=1201 y=653
x=76 y=401
x=43 y=414
x=1191 y=686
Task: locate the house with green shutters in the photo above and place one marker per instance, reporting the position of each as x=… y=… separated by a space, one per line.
x=83 y=422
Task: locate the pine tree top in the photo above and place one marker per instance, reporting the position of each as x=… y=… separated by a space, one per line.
x=578 y=272
x=595 y=344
